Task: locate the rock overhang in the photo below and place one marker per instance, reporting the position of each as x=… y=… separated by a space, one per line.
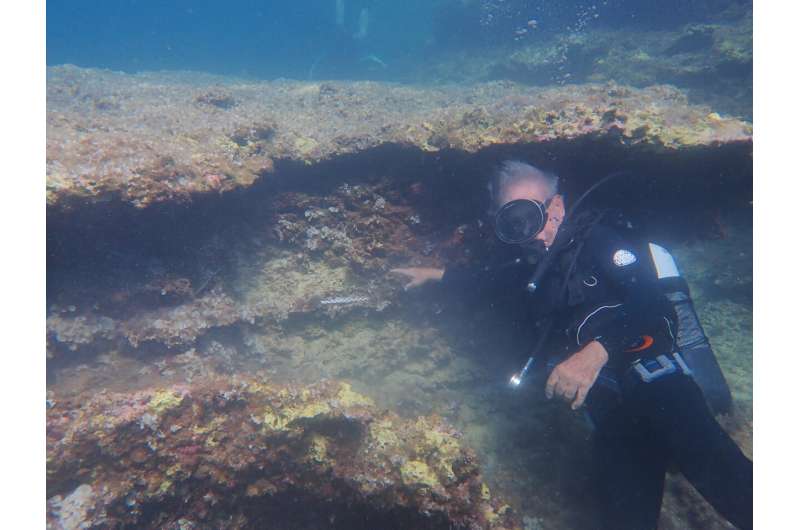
x=161 y=138
x=339 y=176
x=231 y=454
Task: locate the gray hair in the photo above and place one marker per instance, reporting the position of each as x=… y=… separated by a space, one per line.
x=512 y=171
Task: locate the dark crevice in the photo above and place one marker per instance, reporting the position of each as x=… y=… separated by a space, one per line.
x=101 y=256
x=294 y=509
x=103 y=236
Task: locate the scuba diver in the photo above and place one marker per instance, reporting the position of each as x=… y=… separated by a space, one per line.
x=359 y=7
x=626 y=345
x=347 y=54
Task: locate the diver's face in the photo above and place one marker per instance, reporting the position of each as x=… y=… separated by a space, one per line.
x=535 y=191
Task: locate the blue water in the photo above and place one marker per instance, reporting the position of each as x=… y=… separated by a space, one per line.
x=296 y=39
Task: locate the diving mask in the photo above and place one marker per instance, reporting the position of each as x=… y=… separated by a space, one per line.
x=520 y=220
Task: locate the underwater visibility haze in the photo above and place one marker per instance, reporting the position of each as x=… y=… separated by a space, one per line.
x=296 y=251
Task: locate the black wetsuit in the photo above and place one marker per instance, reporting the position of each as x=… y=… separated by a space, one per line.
x=611 y=295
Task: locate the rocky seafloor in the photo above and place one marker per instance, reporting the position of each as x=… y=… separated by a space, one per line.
x=227 y=349
x=711 y=60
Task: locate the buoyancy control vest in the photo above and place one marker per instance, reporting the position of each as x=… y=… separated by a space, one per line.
x=691 y=340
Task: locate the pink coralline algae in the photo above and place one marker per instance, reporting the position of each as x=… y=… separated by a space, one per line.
x=228 y=454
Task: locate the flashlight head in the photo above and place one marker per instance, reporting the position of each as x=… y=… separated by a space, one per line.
x=515 y=380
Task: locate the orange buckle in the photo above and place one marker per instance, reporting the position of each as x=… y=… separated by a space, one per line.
x=647 y=341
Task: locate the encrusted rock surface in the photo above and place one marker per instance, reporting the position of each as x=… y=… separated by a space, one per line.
x=306 y=254
x=230 y=454
x=152 y=138
x=713 y=61
x=303 y=196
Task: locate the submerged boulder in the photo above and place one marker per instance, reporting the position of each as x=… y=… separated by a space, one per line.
x=243 y=453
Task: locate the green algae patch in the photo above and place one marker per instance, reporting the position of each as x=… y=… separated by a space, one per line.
x=348 y=398
x=164 y=487
x=164 y=400
x=274 y=421
x=490 y=514
x=100 y=421
x=210 y=427
x=485 y=493
x=174 y=470
x=417 y=472
x=279 y=421
x=318 y=449
x=309 y=410
x=445 y=444
x=442 y=448
x=305 y=145
x=382 y=434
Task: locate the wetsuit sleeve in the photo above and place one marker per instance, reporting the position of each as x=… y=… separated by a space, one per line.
x=460 y=277
x=473 y=284
x=641 y=307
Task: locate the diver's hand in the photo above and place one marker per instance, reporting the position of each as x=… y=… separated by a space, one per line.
x=573 y=378
x=419 y=275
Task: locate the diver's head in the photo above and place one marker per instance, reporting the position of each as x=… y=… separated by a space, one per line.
x=526 y=205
